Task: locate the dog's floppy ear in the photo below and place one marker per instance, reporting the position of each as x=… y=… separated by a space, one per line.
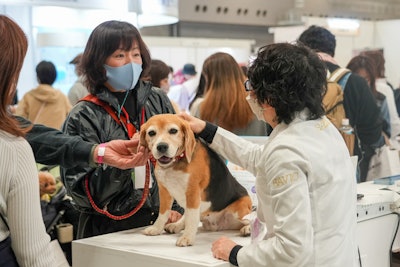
x=189 y=140
x=142 y=140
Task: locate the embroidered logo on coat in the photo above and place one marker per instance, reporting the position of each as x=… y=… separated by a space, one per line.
x=323 y=124
x=285 y=179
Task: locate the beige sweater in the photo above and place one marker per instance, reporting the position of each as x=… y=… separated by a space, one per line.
x=20 y=204
x=44 y=105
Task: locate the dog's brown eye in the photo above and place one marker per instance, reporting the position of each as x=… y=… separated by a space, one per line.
x=152 y=133
x=173 y=131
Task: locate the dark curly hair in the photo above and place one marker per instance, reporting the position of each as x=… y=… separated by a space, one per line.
x=319 y=39
x=290 y=78
x=105 y=39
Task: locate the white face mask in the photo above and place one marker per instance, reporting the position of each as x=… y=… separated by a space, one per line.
x=256 y=108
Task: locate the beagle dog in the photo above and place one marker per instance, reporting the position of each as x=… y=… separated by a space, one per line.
x=188 y=171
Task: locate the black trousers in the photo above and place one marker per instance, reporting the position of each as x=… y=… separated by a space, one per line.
x=7 y=256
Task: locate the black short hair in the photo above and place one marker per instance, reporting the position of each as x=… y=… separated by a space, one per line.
x=104 y=40
x=46 y=72
x=319 y=39
x=290 y=78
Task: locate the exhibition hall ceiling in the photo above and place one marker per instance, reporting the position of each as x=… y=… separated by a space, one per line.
x=283 y=12
x=241 y=12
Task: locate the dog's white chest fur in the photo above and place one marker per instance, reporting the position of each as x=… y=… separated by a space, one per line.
x=176 y=183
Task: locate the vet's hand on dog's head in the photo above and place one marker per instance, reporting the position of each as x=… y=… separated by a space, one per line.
x=197 y=125
x=167 y=136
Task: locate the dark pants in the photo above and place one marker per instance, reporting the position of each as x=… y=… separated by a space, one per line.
x=7 y=256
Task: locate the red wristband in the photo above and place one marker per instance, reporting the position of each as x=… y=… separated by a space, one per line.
x=100 y=153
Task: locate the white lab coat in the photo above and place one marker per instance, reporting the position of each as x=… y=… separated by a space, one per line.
x=306 y=190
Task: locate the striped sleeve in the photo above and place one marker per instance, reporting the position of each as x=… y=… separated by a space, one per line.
x=30 y=241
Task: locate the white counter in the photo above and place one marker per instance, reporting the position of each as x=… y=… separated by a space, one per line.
x=375 y=232
x=132 y=248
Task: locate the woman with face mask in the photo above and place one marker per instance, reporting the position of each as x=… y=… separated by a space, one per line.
x=305 y=180
x=110 y=199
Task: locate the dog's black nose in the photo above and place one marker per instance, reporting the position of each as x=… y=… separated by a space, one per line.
x=162 y=147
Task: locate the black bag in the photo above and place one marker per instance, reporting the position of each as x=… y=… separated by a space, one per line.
x=7 y=256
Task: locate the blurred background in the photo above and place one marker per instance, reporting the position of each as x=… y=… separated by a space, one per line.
x=179 y=32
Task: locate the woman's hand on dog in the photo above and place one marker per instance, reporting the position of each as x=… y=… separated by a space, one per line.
x=124 y=154
x=221 y=248
x=197 y=125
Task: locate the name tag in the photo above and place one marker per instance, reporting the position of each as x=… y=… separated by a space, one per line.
x=139 y=177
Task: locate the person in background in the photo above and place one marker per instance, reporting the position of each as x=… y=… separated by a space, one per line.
x=396 y=93
x=306 y=202
x=224 y=81
x=359 y=103
x=23 y=238
x=244 y=68
x=45 y=104
x=159 y=74
x=78 y=90
x=199 y=97
x=109 y=199
x=159 y=77
x=383 y=87
x=364 y=66
x=184 y=93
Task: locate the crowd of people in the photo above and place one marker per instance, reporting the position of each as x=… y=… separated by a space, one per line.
x=93 y=136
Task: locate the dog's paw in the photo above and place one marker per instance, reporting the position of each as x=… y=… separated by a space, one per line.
x=152 y=230
x=209 y=223
x=174 y=228
x=245 y=230
x=185 y=241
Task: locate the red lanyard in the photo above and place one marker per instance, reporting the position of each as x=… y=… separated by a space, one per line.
x=122 y=120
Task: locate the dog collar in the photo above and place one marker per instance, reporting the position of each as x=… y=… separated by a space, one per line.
x=177 y=158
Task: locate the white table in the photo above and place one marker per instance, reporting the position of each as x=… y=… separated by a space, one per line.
x=132 y=248
x=375 y=231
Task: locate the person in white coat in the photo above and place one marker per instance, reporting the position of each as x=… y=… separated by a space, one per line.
x=305 y=180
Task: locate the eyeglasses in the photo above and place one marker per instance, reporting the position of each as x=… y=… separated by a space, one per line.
x=247 y=86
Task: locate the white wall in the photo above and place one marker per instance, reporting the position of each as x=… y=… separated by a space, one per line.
x=176 y=52
x=387 y=37
x=22 y=15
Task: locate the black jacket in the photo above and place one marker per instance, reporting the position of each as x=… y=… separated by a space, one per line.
x=364 y=116
x=52 y=147
x=111 y=187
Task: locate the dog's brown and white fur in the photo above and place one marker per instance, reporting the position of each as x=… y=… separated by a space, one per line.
x=196 y=177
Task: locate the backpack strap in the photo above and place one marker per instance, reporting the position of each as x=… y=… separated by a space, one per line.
x=338 y=74
x=343 y=80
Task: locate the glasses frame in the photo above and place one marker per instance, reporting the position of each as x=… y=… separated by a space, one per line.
x=247 y=86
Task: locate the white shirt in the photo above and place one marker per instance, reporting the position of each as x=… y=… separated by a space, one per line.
x=306 y=191
x=20 y=204
x=184 y=93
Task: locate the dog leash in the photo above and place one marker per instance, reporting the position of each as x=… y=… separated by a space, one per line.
x=129 y=127
x=104 y=211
